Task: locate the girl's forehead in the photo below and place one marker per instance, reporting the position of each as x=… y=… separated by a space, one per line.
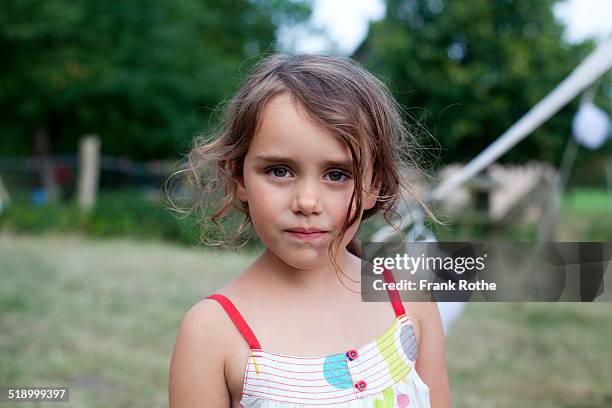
x=285 y=126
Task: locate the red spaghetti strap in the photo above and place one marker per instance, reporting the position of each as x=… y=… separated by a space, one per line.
x=238 y=320
x=396 y=301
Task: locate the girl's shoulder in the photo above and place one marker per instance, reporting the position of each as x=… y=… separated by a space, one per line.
x=208 y=323
x=424 y=316
x=420 y=311
x=203 y=346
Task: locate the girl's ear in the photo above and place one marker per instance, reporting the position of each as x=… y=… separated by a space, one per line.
x=372 y=196
x=239 y=180
x=240 y=189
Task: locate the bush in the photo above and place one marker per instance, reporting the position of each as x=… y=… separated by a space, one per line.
x=142 y=215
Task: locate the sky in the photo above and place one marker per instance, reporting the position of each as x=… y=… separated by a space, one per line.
x=582 y=18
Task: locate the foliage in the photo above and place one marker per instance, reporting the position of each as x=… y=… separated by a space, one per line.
x=469 y=70
x=139 y=215
x=142 y=74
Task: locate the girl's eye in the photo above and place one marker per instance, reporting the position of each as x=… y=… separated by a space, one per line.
x=336 y=175
x=278 y=172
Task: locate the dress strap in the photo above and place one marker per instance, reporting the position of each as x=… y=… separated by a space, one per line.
x=238 y=320
x=394 y=296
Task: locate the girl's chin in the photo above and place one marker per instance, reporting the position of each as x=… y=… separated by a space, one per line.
x=301 y=255
x=306 y=263
x=304 y=260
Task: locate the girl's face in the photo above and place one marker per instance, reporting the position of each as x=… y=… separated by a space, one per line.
x=297 y=178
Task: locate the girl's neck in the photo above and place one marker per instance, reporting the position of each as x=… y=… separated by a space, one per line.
x=318 y=279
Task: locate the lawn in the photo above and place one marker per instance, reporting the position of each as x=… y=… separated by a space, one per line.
x=101 y=317
x=585 y=215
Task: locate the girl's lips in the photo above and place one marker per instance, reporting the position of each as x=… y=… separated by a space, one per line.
x=304 y=236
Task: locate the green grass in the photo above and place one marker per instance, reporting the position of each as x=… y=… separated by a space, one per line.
x=101 y=316
x=588 y=200
x=531 y=355
x=585 y=215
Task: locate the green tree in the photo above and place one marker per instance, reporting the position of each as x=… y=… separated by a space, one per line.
x=143 y=74
x=474 y=68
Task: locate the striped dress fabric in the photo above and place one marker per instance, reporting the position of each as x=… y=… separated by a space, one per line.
x=378 y=374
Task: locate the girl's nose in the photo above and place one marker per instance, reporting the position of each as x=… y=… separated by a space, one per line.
x=307 y=199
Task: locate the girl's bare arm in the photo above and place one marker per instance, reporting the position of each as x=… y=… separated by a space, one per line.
x=431 y=364
x=197 y=376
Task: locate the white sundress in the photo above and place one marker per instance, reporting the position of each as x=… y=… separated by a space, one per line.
x=378 y=374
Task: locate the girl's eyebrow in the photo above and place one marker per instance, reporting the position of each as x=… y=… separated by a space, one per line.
x=276 y=159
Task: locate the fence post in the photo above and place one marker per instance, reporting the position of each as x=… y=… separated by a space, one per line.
x=89 y=171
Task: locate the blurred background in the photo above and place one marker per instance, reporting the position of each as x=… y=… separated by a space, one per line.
x=99 y=101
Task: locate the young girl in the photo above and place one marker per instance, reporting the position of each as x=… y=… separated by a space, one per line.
x=309 y=147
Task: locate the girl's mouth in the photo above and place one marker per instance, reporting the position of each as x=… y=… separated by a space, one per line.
x=306 y=235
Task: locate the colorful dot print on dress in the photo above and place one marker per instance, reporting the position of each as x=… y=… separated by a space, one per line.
x=336 y=372
x=378 y=374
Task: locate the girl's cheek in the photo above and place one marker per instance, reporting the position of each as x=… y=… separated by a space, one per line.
x=338 y=207
x=260 y=185
x=268 y=202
